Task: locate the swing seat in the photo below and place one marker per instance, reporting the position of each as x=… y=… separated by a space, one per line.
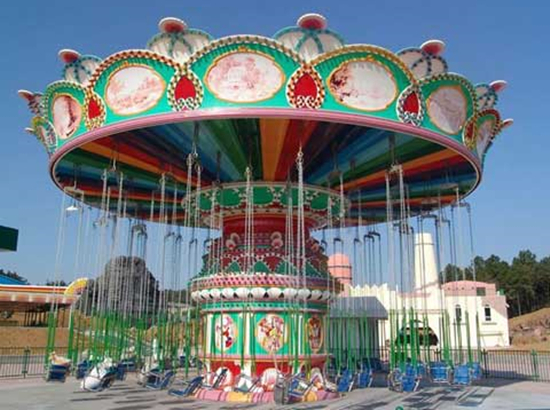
x=58 y=373
x=407 y=381
x=160 y=381
x=395 y=380
x=364 y=379
x=129 y=364
x=297 y=389
x=186 y=388
x=331 y=370
x=93 y=383
x=462 y=375
x=421 y=370
x=218 y=378
x=440 y=372
x=247 y=384
x=345 y=382
x=121 y=371
x=82 y=368
x=476 y=371
x=411 y=378
x=145 y=377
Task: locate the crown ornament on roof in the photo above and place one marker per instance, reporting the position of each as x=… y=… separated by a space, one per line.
x=176 y=40
x=303 y=67
x=310 y=37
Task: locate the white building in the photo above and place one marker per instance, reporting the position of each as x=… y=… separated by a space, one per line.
x=459 y=299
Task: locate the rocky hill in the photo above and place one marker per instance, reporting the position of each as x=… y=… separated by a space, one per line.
x=531 y=331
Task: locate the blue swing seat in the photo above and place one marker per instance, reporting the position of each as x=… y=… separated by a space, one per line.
x=186 y=388
x=410 y=379
x=160 y=381
x=421 y=370
x=364 y=378
x=298 y=387
x=476 y=371
x=82 y=369
x=57 y=373
x=345 y=381
x=440 y=372
x=121 y=371
x=129 y=364
x=462 y=375
x=407 y=381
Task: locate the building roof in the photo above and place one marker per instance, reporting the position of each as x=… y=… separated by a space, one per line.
x=6 y=280
x=366 y=306
x=28 y=297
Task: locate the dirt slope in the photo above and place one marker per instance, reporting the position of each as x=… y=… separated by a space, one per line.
x=531 y=331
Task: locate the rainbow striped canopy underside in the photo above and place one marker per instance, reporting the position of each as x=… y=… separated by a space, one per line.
x=360 y=154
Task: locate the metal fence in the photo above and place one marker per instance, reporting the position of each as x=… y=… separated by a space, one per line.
x=501 y=364
x=516 y=364
x=24 y=362
x=19 y=362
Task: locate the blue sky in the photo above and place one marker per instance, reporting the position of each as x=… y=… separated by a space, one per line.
x=486 y=41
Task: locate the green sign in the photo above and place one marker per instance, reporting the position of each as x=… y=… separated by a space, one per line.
x=8 y=239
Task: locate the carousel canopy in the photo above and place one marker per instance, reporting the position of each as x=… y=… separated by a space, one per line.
x=252 y=101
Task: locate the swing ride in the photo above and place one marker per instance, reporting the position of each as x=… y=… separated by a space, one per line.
x=211 y=177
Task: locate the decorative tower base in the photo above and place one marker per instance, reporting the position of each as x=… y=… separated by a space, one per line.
x=263 y=306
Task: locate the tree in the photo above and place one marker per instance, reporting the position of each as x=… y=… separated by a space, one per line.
x=525 y=281
x=56 y=283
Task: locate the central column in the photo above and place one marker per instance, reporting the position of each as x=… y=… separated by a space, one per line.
x=261 y=311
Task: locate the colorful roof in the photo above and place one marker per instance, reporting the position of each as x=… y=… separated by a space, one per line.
x=22 y=298
x=355 y=110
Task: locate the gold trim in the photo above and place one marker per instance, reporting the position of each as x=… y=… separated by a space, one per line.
x=364 y=48
x=57 y=95
x=367 y=59
x=124 y=66
x=470 y=142
x=460 y=89
x=126 y=54
x=244 y=39
x=244 y=50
